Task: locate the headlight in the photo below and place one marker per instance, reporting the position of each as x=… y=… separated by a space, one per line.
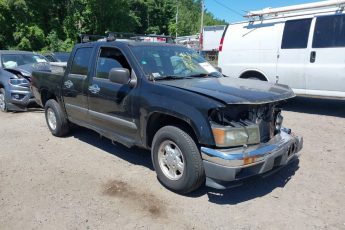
x=237 y=135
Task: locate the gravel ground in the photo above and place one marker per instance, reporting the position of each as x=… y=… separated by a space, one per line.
x=84 y=182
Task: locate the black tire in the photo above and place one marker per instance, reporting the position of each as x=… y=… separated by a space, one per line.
x=4 y=107
x=193 y=175
x=62 y=126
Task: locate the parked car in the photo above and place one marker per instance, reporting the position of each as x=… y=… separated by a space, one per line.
x=302 y=46
x=199 y=125
x=15 y=74
x=57 y=56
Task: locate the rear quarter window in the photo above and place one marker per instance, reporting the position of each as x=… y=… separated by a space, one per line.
x=329 y=32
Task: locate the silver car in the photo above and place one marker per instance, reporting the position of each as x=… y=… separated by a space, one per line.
x=15 y=76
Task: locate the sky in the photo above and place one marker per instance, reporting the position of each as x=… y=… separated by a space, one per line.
x=220 y=8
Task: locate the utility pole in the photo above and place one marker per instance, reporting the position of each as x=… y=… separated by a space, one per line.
x=176 y=18
x=202 y=16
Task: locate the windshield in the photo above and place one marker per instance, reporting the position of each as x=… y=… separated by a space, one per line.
x=14 y=60
x=173 y=62
x=62 y=57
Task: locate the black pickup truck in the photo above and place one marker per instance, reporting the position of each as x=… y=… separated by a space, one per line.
x=201 y=126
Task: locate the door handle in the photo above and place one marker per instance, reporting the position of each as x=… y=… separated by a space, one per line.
x=312 y=57
x=68 y=84
x=94 y=89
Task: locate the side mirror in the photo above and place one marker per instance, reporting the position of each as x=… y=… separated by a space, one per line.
x=119 y=76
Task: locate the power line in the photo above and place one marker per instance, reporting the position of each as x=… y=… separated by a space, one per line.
x=228 y=8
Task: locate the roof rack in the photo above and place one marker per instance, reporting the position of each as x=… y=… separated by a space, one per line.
x=112 y=36
x=308 y=6
x=85 y=38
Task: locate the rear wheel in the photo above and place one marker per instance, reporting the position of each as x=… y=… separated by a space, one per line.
x=3 y=104
x=177 y=161
x=56 y=119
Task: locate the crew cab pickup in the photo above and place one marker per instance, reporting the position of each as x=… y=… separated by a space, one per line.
x=200 y=125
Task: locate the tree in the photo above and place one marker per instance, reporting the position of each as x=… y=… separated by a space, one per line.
x=56 y=24
x=29 y=38
x=5 y=25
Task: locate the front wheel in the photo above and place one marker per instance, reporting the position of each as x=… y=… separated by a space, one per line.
x=3 y=104
x=56 y=119
x=177 y=161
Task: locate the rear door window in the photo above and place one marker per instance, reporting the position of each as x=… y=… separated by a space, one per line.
x=329 y=32
x=81 y=61
x=296 y=34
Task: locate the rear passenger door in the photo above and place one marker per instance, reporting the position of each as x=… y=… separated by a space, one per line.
x=110 y=104
x=75 y=85
x=293 y=54
x=326 y=67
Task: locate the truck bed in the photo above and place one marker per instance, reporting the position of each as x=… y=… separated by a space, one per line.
x=46 y=83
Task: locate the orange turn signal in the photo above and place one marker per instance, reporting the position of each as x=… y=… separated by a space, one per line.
x=249 y=160
x=219 y=136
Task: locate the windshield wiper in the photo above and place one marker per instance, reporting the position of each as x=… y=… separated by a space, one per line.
x=199 y=75
x=176 y=77
x=204 y=75
x=169 y=77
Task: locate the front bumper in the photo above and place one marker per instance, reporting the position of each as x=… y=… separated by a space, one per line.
x=228 y=165
x=18 y=98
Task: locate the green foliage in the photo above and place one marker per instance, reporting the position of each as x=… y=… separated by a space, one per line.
x=29 y=37
x=5 y=24
x=55 y=25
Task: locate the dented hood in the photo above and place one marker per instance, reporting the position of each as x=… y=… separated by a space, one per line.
x=234 y=90
x=27 y=69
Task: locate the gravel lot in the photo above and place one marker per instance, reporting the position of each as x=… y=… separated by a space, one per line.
x=84 y=182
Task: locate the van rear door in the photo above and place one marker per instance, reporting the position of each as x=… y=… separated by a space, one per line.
x=293 y=54
x=325 y=72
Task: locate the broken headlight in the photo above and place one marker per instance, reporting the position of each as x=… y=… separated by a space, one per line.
x=236 y=134
x=238 y=125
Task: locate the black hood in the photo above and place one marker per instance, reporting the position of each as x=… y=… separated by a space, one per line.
x=234 y=90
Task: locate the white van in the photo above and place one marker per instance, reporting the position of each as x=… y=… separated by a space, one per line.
x=302 y=46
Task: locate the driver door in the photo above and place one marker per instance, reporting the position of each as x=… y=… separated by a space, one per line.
x=110 y=104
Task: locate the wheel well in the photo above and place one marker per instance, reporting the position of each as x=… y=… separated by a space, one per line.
x=253 y=74
x=158 y=121
x=1 y=86
x=46 y=95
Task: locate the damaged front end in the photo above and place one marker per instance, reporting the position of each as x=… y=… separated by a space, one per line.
x=249 y=140
x=19 y=94
x=240 y=125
